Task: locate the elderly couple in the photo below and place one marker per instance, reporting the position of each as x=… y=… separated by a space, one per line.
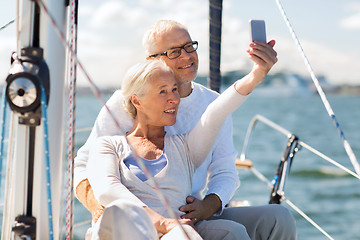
x=182 y=144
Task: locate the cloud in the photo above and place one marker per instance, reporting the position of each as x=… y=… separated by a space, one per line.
x=108 y=53
x=337 y=66
x=110 y=35
x=235 y=40
x=351 y=22
x=113 y=13
x=7 y=46
x=110 y=40
x=85 y=10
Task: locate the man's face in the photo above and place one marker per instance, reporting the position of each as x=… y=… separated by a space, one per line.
x=186 y=65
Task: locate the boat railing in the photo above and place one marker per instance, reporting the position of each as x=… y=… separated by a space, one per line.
x=288 y=134
x=244 y=163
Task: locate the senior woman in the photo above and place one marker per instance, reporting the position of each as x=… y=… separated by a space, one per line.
x=151 y=97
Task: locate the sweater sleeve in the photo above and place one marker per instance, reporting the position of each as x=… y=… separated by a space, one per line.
x=103 y=172
x=202 y=137
x=222 y=170
x=104 y=126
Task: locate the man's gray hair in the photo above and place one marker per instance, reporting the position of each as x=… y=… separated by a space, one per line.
x=161 y=26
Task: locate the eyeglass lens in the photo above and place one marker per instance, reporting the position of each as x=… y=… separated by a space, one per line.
x=176 y=52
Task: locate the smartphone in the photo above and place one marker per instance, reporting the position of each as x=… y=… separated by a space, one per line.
x=257 y=30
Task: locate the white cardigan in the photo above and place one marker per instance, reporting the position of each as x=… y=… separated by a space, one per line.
x=112 y=180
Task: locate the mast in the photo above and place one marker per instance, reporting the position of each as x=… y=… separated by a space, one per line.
x=215 y=19
x=39 y=55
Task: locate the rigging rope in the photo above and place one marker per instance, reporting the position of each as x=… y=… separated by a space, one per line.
x=71 y=121
x=7 y=24
x=10 y=174
x=2 y=129
x=97 y=93
x=326 y=103
x=47 y=159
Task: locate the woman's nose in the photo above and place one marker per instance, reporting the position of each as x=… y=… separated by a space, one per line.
x=175 y=98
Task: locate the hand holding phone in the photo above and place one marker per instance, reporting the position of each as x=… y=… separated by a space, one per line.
x=257 y=30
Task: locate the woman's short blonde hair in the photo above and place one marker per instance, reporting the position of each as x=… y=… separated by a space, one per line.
x=158 y=28
x=136 y=81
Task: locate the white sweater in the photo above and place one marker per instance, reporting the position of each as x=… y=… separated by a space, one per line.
x=112 y=180
x=220 y=164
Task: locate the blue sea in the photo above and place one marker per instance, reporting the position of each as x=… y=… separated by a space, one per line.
x=327 y=194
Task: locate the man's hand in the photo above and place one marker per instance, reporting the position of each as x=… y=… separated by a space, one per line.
x=264 y=57
x=197 y=209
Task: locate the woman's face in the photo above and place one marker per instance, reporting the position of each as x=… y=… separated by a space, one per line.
x=158 y=107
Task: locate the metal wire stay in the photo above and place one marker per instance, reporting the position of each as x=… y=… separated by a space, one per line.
x=280 y=192
x=319 y=89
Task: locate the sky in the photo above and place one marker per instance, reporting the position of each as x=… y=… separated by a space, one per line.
x=110 y=35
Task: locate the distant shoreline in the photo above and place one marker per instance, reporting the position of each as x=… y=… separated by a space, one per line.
x=272 y=82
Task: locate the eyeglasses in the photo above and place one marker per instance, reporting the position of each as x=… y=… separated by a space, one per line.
x=176 y=52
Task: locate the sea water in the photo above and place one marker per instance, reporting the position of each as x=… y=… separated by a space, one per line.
x=324 y=192
x=327 y=194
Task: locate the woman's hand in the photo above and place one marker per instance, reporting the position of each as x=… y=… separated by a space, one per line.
x=164 y=225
